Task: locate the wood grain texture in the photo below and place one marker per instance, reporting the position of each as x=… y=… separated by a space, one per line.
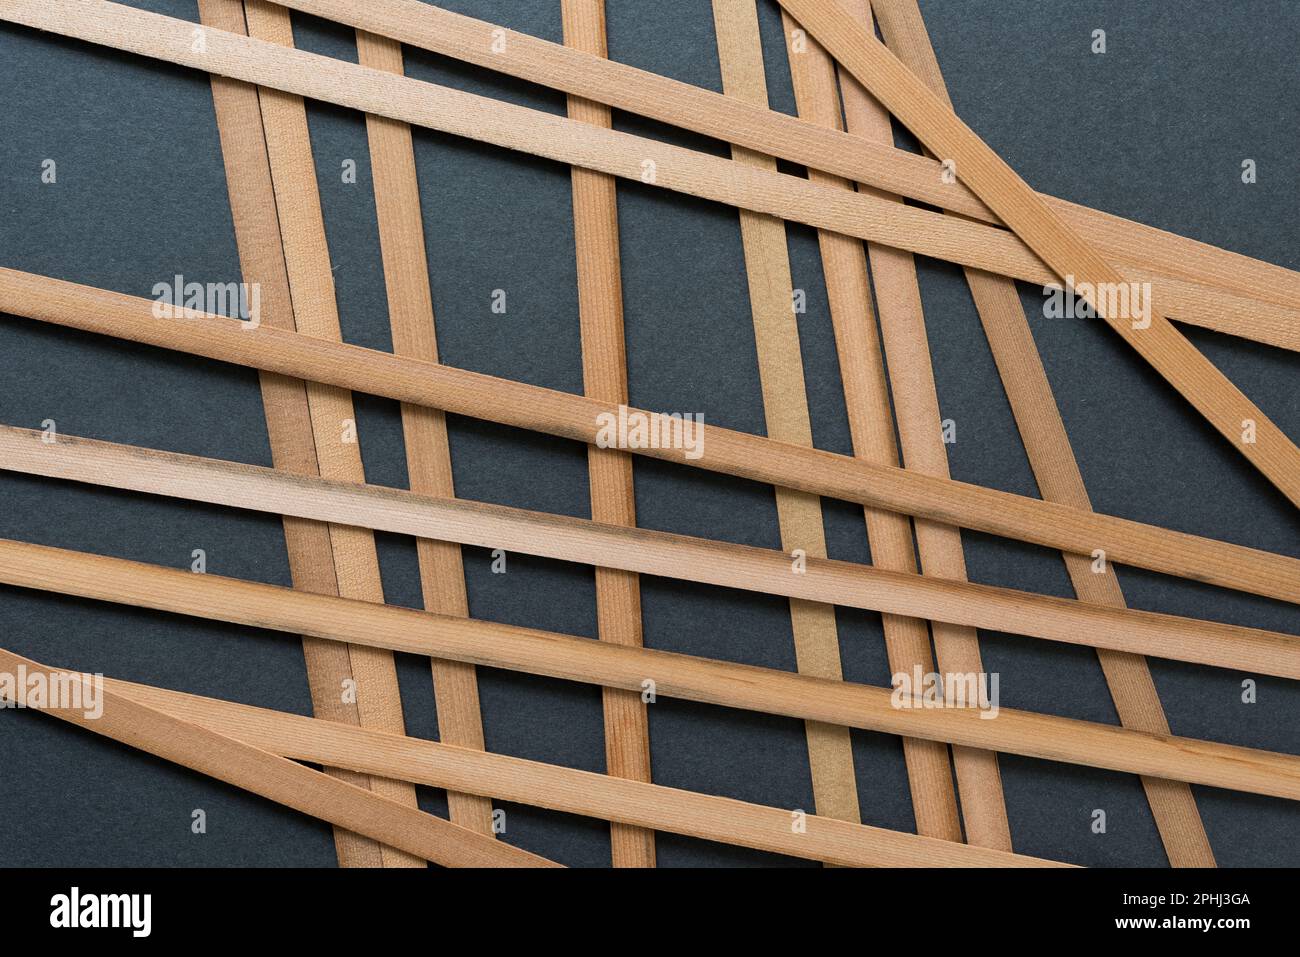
x=646 y=552
x=333 y=420
x=785 y=409
x=956 y=647
x=1264 y=307
x=1073 y=259
x=284 y=400
x=619 y=154
x=631 y=803
x=733 y=453
x=604 y=373
x=428 y=457
x=1046 y=444
x=395 y=825
x=871 y=425
x=604 y=663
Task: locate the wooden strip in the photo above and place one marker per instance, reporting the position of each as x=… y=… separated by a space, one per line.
x=722 y=450
x=631 y=803
x=420 y=836
x=871 y=425
x=956 y=647
x=333 y=420
x=832 y=151
x=785 y=409
x=682 y=557
x=1046 y=443
x=288 y=421
x=1073 y=259
x=604 y=373
x=428 y=457
x=542 y=134
x=676 y=676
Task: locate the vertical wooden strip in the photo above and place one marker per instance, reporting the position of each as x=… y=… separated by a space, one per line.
x=604 y=372
x=288 y=422
x=1050 y=456
x=428 y=456
x=871 y=425
x=785 y=405
x=916 y=405
x=311 y=286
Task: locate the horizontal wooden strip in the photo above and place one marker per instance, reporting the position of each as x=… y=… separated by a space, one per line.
x=676 y=676
x=777 y=134
x=933 y=122
x=648 y=552
x=626 y=801
x=608 y=151
x=733 y=453
x=278 y=779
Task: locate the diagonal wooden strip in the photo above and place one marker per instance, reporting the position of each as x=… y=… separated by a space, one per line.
x=956 y=647
x=1046 y=444
x=311 y=286
x=646 y=552
x=619 y=154
x=428 y=457
x=418 y=835
x=722 y=450
x=288 y=420
x=776 y=134
x=1074 y=260
x=785 y=409
x=632 y=803
x=871 y=424
x=677 y=676
x=604 y=373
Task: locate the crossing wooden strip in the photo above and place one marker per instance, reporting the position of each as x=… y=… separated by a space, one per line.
x=1046 y=444
x=721 y=450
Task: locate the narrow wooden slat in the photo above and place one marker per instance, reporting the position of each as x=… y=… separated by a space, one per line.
x=871 y=425
x=619 y=154
x=416 y=834
x=333 y=420
x=288 y=419
x=428 y=457
x=1046 y=444
x=604 y=374
x=785 y=409
x=1166 y=349
x=722 y=450
x=956 y=647
x=647 y=552
x=832 y=151
x=631 y=803
x=676 y=676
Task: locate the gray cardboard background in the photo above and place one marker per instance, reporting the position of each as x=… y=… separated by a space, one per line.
x=1155 y=129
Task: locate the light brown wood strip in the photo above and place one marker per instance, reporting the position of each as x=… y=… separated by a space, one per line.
x=833 y=151
x=632 y=803
x=1048 y=448
x=604 y=372
x=785 y=409
x=418 y=835
x=916 y=406
x=646 y=552
x=288 y=422
x=311 y=286
x=619 y=154
x=682 y=676
x=1074 y=260
x=428 y=457
x=733 y=453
